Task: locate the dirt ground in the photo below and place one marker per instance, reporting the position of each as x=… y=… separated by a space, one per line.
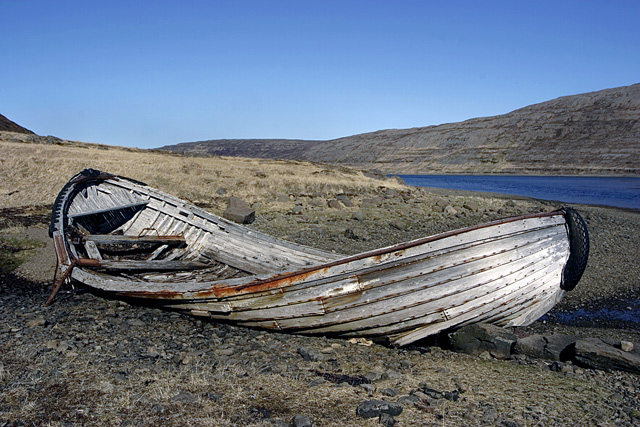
x=89 y=360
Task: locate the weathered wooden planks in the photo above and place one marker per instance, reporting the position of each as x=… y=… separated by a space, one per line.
x=143 y=265
x=505 y=272
x=122 y=239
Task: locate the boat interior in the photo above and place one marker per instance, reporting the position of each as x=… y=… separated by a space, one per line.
x=117 y=227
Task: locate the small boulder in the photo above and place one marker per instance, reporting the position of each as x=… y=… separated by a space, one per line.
x=333 y=203
x=240 y=215
x=478 y=338
x=596 y=354
x=471 y=206
x=357 y=234
x=532 y=346
x=309 y=354
x=296 y=210
x=386 y=420
x=358 y=216
x=302 y=421
x=375 y=408
x=239 y=211
x=398 y=224
x=450 y=210
x=626 y=346
x=345 y=200
x=559 y=346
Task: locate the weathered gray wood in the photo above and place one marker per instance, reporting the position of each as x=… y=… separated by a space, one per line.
x=108 y=209
x=92 y=250
x=123 y=240
x=146 y=265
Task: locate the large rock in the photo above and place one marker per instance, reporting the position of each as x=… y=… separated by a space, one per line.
x=596 y=354
x=532 y=346
x=482 y=337
x=556 y=347
x=239 y=211
x=559 y=346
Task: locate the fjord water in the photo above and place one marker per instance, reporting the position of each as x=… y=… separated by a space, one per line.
x=623 y=192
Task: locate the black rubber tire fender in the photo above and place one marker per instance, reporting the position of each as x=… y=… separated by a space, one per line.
x=578 y=249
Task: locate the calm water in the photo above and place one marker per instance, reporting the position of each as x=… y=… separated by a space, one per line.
x=619 y=192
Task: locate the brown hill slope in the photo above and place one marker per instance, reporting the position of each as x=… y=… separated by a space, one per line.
x=9 y=126
x=591 y=133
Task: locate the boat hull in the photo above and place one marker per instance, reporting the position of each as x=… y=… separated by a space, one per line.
x=507 y=272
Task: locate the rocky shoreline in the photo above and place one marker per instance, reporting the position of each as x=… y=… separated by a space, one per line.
x=88 y=360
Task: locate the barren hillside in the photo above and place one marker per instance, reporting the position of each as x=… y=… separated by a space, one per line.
x=593 y=133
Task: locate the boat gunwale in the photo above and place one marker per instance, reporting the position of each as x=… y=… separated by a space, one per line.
x=226 y=290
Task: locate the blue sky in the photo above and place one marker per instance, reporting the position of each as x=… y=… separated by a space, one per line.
x=151 y=73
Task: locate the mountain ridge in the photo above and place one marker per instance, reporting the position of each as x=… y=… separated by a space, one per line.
x=7 y=125
x=594 y=133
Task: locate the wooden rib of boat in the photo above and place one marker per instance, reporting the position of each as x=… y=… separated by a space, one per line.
x=125 y=238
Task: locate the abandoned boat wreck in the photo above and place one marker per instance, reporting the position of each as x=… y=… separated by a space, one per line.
x=122 y=237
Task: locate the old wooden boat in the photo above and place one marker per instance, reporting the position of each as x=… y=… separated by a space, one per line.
x=127 y=239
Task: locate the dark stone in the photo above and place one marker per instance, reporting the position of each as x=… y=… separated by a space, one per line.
x=389 y=392
x=375 y=408
x=221 y=191
x=478 y=338
x=357 y=234
x=345 y=200
x=240 y=215
x=370 y=203
x=309 y=355
x=341 y=378
x=297 y=210
x=532 y=346
x=391 y=193
x=452 y=395
x=559 y=346
x=302 y=421
x=185 y=397
x=236 y=202
x=239 y=211
x=432 y=393
x=386 y=420
x=358 y=216
x=398 y=225
x=334 y=204
x=596 y=354
x=471 y=205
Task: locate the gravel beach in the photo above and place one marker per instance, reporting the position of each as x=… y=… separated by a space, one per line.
x=88 y=360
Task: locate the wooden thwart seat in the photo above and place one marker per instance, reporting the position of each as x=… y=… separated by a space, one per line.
x=141 y=265
x=123 y=240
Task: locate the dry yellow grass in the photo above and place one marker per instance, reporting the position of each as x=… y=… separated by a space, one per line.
x=47 y=167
